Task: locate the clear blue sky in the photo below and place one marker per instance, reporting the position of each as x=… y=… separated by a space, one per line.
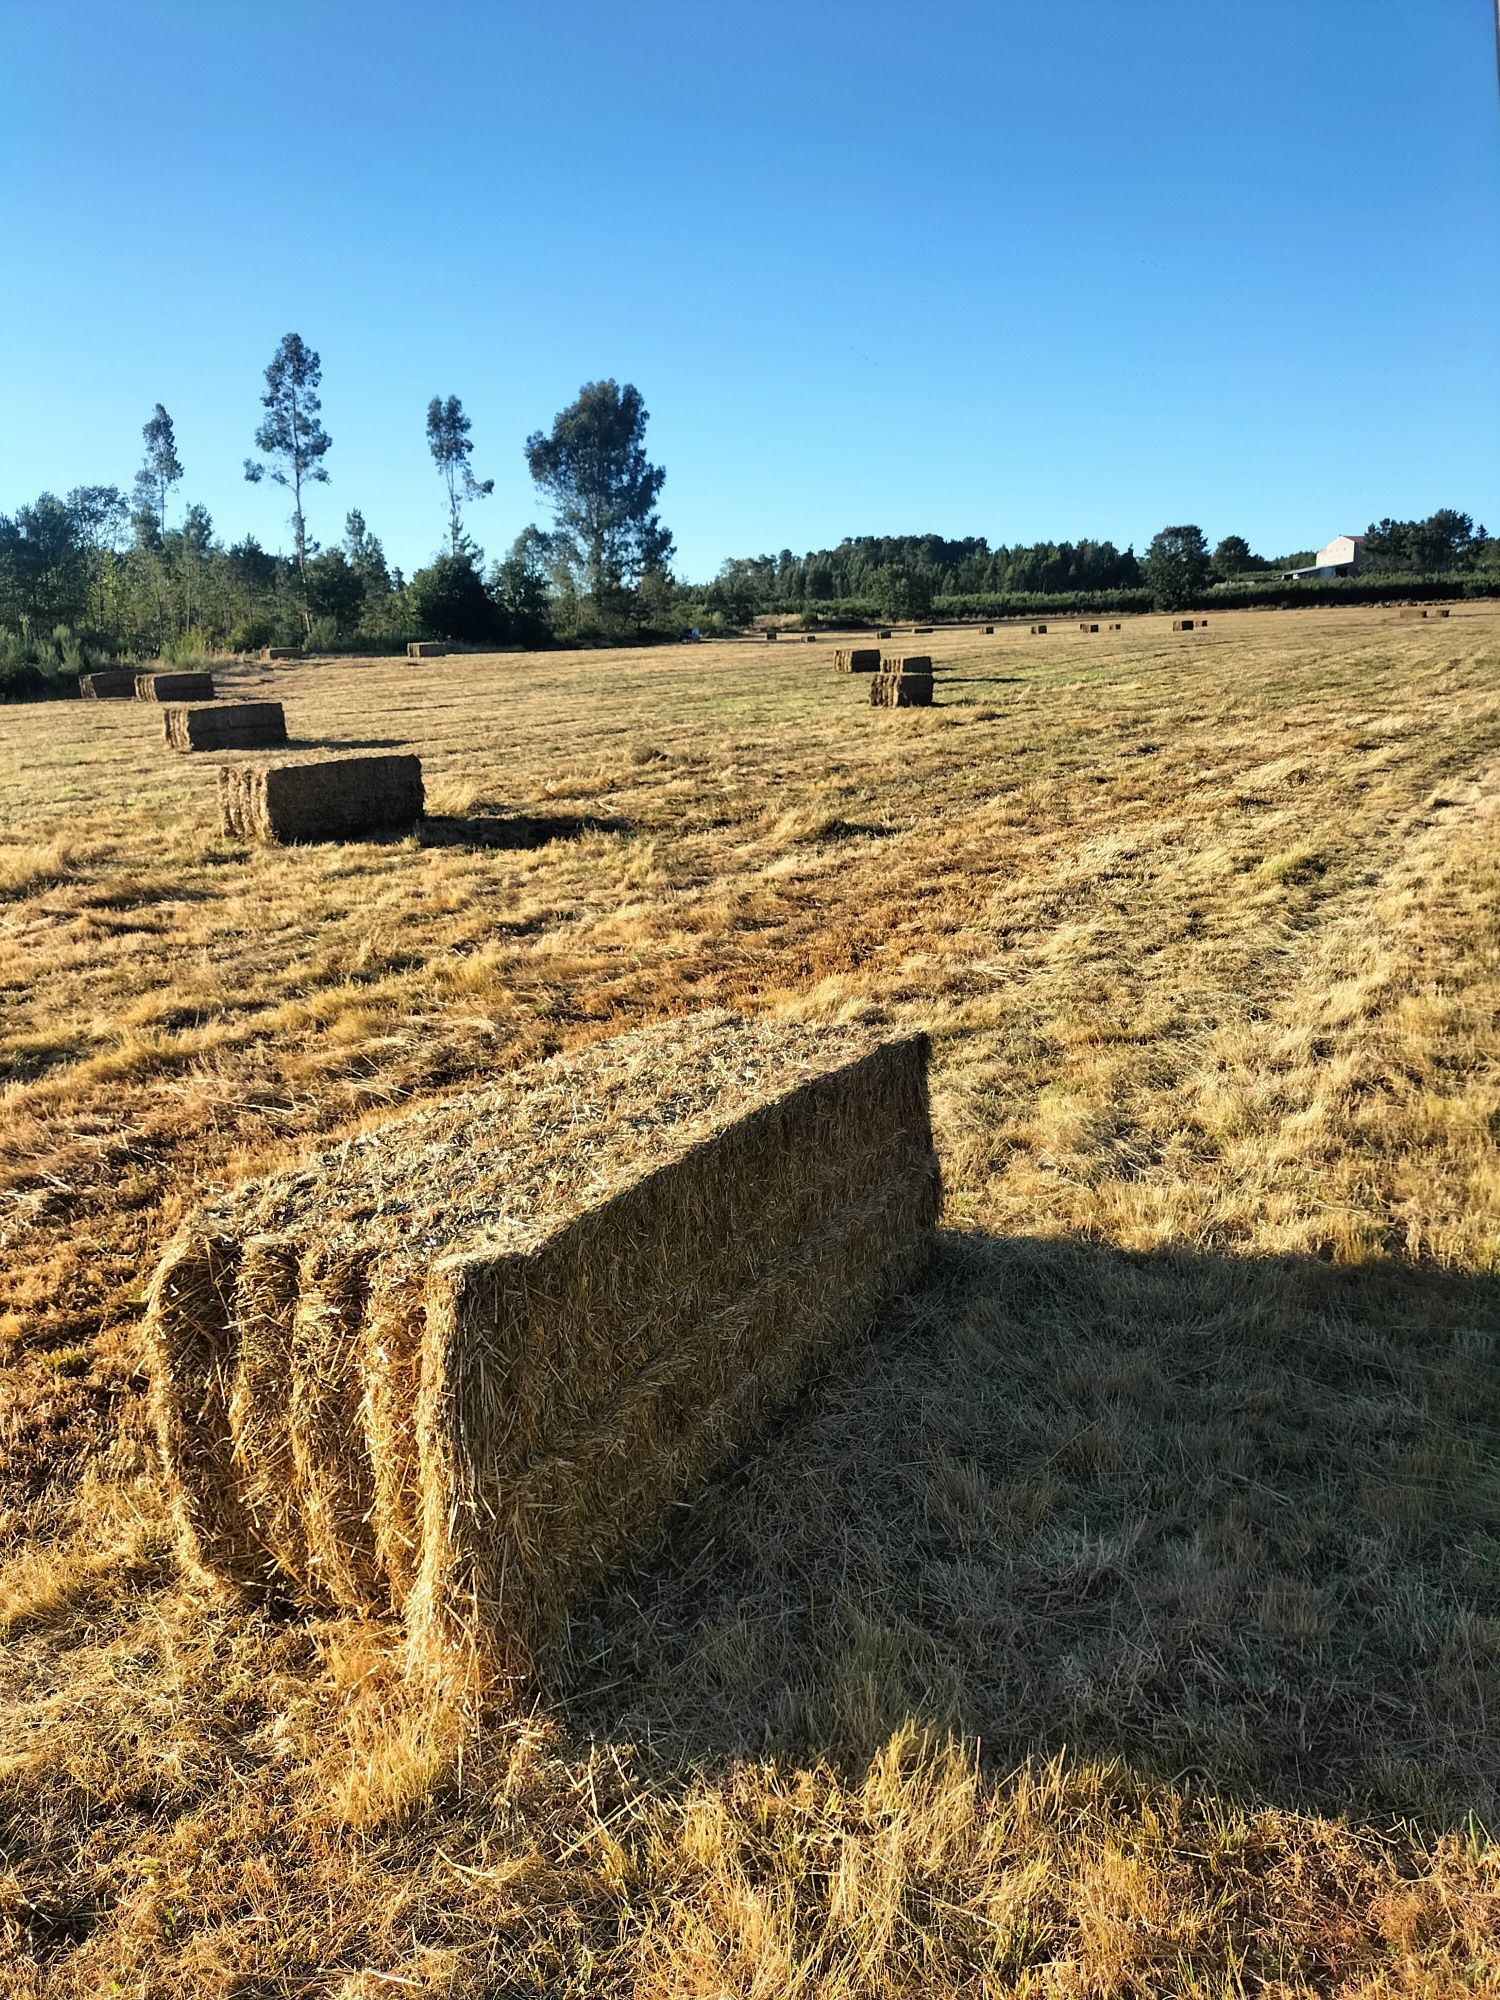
x=1030 y=269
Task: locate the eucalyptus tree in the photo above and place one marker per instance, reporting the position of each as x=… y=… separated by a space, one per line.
x=448 y=441
x=291 y=433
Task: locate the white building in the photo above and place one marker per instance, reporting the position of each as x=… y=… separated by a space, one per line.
x=1342 y=557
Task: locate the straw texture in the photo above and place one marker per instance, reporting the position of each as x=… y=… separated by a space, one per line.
x=856 y=659
x=332 y=799
x=174 y=687
x=109 y=684
x=461 y=1365
x=230 y=725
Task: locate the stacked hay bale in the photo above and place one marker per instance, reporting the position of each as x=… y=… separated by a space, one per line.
x=334 y=798
x=904 y=682
x=229 y=725
x=425 y=649
x=174 y=687
x=107 y=684
x=856 y=659
x=457 y=1367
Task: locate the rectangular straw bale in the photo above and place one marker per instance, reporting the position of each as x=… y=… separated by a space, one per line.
x=1088 y=628
x=332 y=799
x=457 y=1367
x=919 y=631
x=1116 y=627
x=1442 y=612
x=108 y=684
x=989 y=628
x=771 y=635
x=889 y=690
x=282 y=653
x=228 y=725
x=907 y=663
x=425 y=649
x=856 y=659
x=1038 y=628
x=884 y=632
x=174 y=687
x=1182 y=624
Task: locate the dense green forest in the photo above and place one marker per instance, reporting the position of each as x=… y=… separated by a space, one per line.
x=109 y=573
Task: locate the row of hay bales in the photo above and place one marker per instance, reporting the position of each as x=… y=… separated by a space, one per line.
x=455 y=1369
x=333 y=798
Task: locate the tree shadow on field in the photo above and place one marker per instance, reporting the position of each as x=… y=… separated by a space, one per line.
x=514 y=830
x=1231 y=1518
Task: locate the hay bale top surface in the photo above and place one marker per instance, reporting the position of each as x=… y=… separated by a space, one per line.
x=500 y=1168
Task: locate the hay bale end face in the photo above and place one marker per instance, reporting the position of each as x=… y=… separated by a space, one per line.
x=228 y=725
x=989 y=628
x=174 y=687
x=109 y=684
x=426 y=649
x=334 y=799
x=460 y=1366
x=771 y=635
x=856 y=659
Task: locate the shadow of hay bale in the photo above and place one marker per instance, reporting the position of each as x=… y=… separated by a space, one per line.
x=1227 y=1513
x=515 y=830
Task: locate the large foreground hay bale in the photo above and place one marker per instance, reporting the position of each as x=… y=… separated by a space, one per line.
x=425 y=649
x=901 y=690
x=108 y=684
x=330 y=799
x=174 y=687
x=228 y=725
x=456 y=1367
x=856 y=659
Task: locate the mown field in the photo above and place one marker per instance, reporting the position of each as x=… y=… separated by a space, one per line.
x=1123 y=1617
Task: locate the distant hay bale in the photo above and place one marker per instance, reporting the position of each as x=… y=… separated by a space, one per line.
x=107 y=684
x=907 y=663
x=174 y=687
x=989 y=628
x=1182 y=624
x=1038 y=628
x=1116 y=627
x=282 y=653
x=856 y=659
x=811 y=638
x=771 y=635
x=1088 y=628
x=459 y=1366
x=332 y=799
x=1441 y=612
x=425 y=649
x=884 y=632
x=901 y=690
x=918 y=631
x=227 y=725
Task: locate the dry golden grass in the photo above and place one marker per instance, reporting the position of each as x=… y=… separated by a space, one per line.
x=1121 y=1618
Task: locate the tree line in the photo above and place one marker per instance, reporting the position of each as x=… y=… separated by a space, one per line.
x=109 y=572
x=106 y=572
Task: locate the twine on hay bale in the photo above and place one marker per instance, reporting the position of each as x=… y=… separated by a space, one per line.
x=229 y=725
x=459 y=1366
x=108 y=684
x=856 y=659
x=282 y=653
x=174 y=687
x=425 y=649
x=330 y=799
